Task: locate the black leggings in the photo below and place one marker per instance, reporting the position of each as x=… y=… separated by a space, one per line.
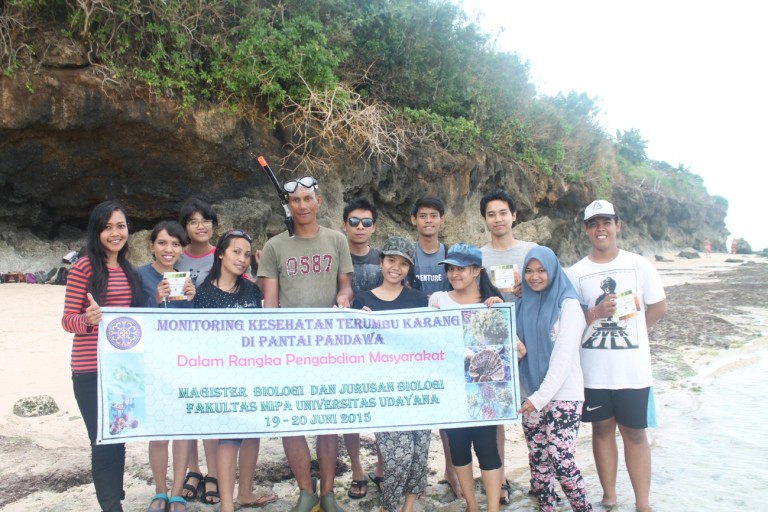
x=107 y=460
x=483 y=438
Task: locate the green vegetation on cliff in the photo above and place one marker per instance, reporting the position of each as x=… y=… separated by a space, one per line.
x=366 y=76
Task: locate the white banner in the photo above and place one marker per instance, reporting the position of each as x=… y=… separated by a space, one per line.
x=220 y=373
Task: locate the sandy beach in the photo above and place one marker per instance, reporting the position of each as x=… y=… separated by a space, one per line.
x=716 y=318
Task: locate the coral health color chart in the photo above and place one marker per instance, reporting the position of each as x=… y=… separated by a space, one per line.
x=208 y=373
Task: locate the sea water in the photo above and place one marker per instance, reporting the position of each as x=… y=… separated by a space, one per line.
x=709 y=452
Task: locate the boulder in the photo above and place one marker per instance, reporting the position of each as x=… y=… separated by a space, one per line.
x=689 y=253
x=743 y=247
x=34 y=406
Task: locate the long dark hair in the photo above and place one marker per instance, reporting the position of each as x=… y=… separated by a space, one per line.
x=97 y=256
x=487 y=290
x=221 y=247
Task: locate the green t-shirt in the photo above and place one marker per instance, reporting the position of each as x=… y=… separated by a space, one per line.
x=307 y=269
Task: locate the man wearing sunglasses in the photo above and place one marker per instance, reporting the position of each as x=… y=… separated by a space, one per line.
x=359 y=224
x=312 y=269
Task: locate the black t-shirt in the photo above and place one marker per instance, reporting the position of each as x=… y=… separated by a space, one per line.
x=408 y=298
x=367 y=273
x=210 y=297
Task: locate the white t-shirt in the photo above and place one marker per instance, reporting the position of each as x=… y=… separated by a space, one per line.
x=615 y=352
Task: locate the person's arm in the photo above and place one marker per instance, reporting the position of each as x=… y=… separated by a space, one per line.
x=655 y=312
x=344 y=297
x=605 y=309
x=564 y=353
x=270 y=292
x=76 y=302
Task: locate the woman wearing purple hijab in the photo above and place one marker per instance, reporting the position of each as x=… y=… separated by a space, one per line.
x=550 y=322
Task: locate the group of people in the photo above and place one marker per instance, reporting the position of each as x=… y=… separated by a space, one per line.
x=583 y=354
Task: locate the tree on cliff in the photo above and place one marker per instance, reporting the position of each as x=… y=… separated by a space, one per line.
x=631 y=145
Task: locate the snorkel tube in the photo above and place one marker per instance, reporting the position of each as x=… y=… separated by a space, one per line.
x=282 y=194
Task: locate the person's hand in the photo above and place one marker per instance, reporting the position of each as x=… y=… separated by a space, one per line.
x=526 y=408
x=517 y=290
x=607 y=307
x=92 y=312
x=366 y=308
x=189 y=289
x=490 y=301
x=162 y=291
x=521 y=350
x=342 y=301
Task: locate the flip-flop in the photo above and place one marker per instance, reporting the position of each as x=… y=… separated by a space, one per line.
x=161 y=496
x=376 y=480
x=174 y=500
x=361 y=485
x=505 y=487
x=259 y=501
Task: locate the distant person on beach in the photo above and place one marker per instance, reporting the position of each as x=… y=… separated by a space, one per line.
x=313 y=269
x=226 y=287
x=734 y=245
x=470 y=284
x=166 y=243
x=200 y=220
x=550 y=323
x=707 y=248
x=104 y=277
x=503 y=258
x=615 y=353
x=358 y=224
x=405 y=454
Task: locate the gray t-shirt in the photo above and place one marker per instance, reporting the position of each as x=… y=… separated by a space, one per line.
x=198 y=266
x=505 y=267
x=432 y=276
x=367 y=274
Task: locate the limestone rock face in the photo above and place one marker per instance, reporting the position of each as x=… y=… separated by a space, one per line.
x=70 y=139
x=33 y=406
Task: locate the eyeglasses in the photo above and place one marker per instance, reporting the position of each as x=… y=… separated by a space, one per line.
x=237 y=233
x=205 y=222
x=355 y=221
x=306 y=182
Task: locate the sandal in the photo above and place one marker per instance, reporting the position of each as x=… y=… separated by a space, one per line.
x=177 y=500
x=362 y=489
x=161 y=496
x=376 y=480
x=210 y=497
x=505 y=487
x=193 y=490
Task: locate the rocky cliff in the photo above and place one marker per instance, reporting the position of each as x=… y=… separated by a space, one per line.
x=70 y=139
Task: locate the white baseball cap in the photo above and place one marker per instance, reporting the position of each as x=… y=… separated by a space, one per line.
x=599 y=208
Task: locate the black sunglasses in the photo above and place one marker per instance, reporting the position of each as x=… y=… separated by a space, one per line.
x=237 y=233
x=354 y=221
x=306 y=182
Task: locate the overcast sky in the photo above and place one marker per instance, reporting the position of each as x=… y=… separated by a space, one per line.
x=690 y=76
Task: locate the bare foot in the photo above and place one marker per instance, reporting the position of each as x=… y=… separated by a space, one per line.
x=254 y=500
x=453 y=480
